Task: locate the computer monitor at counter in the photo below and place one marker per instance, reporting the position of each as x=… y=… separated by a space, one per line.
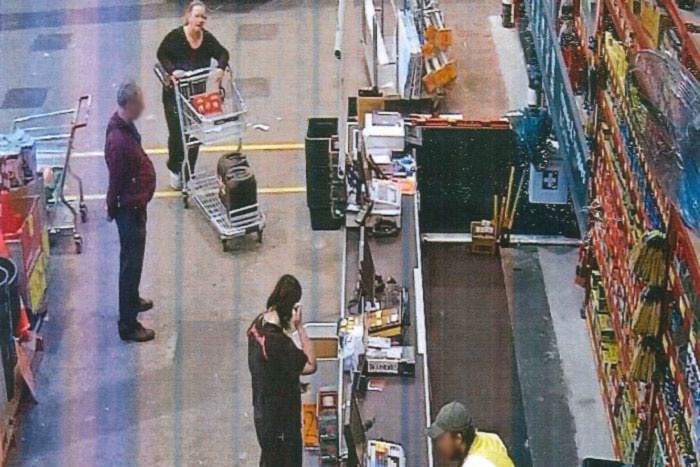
x=355 y=436
x=367 y=272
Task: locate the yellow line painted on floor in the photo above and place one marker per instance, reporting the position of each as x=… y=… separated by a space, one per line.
x=269 y=147
x=284 y=190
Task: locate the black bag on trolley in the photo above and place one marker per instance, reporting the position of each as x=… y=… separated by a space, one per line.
x=229 y=161
x=237 y=185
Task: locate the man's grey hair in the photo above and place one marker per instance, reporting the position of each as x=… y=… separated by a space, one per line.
x=127 y=91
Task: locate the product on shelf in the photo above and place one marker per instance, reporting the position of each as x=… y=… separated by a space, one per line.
x=644 y=362
x=648 y=258
x=642 y=275
x=647 y=319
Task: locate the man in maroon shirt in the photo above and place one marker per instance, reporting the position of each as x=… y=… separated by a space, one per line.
x=132 y=182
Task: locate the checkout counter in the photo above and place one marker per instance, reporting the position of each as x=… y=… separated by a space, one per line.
x=398 y=412
x=380 y=387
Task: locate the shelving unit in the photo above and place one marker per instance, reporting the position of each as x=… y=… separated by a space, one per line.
x=648 y=24
x=655 y=423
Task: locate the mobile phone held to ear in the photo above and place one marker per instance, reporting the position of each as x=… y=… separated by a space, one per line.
x=296 y=315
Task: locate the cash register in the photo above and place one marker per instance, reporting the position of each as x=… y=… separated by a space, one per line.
x=372 y=195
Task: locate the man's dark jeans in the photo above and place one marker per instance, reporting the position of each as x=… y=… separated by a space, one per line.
x=131 y=223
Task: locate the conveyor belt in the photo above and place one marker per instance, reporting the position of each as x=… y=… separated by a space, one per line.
x=399 y=410
x=470 y=342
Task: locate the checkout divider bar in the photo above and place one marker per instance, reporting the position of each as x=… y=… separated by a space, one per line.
x=515 y=239
x=421 y=345
x=343 y=449
x=421 y=339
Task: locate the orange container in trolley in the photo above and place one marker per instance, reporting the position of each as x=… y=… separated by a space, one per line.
x=208 y=104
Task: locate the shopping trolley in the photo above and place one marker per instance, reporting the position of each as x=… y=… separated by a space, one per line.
x=211 y=111
x=53 y=135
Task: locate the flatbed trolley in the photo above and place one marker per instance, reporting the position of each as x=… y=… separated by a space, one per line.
x=206 y=118
x=54 y=138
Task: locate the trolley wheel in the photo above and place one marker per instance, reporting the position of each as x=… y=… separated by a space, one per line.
x=83 y=212
x=186 y=201
x=260 y=236
x=78 y=240
x=229 y=244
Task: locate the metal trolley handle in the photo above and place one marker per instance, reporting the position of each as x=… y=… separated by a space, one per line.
x=82 y=112
x=163 y=75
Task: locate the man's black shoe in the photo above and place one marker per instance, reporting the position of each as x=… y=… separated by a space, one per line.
x=145 y=304
x=137 y=333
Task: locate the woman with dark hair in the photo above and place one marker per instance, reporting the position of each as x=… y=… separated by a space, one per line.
x=187 y=48
x=275 y=364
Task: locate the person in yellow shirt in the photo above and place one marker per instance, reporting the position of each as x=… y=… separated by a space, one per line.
x=456 y=439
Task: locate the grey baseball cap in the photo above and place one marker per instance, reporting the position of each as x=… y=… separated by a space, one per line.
x=452 y=417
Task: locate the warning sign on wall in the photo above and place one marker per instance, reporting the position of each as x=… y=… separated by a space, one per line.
x=548 y=186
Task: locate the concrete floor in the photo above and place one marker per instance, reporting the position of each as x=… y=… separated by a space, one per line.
x=185 y=399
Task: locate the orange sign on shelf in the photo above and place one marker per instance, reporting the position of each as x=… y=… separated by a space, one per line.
x=430 y=82
x=428 y=50
x=443 y=39
x=430 y=33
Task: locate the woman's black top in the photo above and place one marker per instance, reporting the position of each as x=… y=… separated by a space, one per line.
x=275 y=364
x=176 y=53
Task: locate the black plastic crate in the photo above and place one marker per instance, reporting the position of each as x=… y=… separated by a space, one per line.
x=322 y=127
x=322 y=219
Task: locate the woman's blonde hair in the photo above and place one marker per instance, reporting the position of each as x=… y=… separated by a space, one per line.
x=191 y=6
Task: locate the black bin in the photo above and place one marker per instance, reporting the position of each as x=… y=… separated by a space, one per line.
x=10 y=308
x=319 y=173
